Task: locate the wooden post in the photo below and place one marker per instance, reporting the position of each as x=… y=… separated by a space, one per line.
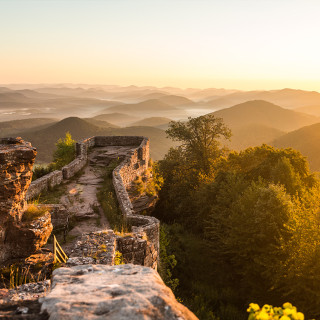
x=54 y=249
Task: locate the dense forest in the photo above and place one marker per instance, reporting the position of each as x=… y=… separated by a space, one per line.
x=237 y=227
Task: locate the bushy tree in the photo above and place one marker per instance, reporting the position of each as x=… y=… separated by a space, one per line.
x=263 y=217
x=65 y=151
x=200 y=139
x=189 y=165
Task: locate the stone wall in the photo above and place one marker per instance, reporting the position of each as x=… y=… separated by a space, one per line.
x=123 y=175
x=111 y=292
x=131 y=167
x=55 y=178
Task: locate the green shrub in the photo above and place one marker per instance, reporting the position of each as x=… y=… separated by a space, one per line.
x=65 y=152
x=41 y=170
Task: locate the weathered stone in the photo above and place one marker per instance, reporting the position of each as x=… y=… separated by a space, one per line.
x=116 y=293
x=95 y=247
x=26 y=238
x=17 y=238
x=22 y=302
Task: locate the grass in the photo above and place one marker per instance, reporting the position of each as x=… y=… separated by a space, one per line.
x=54 y=195
x=15 y=275
x=108 y=199
x=34 y=212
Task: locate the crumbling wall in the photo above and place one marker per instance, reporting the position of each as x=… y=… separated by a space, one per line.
x=131 y=167
x=123 y=175
x=55 y=178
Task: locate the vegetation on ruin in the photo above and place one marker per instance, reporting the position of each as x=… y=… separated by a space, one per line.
x=64 y=153
x=150 y=182
x=243 y=226
x=118 y=258
x=108 y=200
x=54 y=195
x=33 y=212
x=17 y=274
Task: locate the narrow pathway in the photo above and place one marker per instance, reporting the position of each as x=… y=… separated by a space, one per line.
x=81 y=196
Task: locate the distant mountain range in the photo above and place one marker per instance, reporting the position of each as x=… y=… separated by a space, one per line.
x=120 y=119
x=287 y=98
x=43 y=113
x=152 y=122
x=152 y=107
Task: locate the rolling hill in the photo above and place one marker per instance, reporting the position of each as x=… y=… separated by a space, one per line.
x=15 y=126
x=312 y=110
x=148 y=108
x=44 y=140
x=176 y=101
x=252 y=135
x=288 y=98
x=120 y=119
x=306 y=140
x=152 y=122
x=101 y=123
x=266 y=114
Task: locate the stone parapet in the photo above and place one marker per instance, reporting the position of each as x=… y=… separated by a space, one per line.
x=111 y=292
x=132 y=166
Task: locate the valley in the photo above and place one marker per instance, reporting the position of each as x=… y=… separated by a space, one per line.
x=44 y=113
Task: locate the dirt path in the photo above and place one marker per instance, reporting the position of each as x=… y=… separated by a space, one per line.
x=81 y=196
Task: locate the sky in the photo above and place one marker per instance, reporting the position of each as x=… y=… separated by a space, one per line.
x=240 y=44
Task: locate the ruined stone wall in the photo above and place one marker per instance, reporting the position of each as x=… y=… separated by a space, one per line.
x=55 y=178
x=131 y=167
x=123 y=175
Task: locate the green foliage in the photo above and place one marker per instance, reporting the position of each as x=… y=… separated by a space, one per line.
x=41 y=170
x=150 y=182
x=187 y=166
x=65 y=151
x=54 y=195
x=256 y=214
x=265 y=200
x=167 y=261
x=200 y=138
x=108 y=199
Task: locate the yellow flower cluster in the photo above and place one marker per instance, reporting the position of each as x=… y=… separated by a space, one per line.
x=267 y=312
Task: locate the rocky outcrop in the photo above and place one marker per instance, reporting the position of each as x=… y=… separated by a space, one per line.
x=28 y=237
x=17 y=238
x=115 y=293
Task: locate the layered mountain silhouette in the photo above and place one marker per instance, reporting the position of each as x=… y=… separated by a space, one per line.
x=152 y=122
x=306 y=140
x=266 y=114
x=287 y=98
x=120 y=119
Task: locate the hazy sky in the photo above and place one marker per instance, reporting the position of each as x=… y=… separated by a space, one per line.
x=244 y=44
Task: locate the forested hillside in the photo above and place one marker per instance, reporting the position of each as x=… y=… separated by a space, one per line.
x=241 y=227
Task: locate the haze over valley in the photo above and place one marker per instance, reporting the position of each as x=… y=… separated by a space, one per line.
x=44 y=113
